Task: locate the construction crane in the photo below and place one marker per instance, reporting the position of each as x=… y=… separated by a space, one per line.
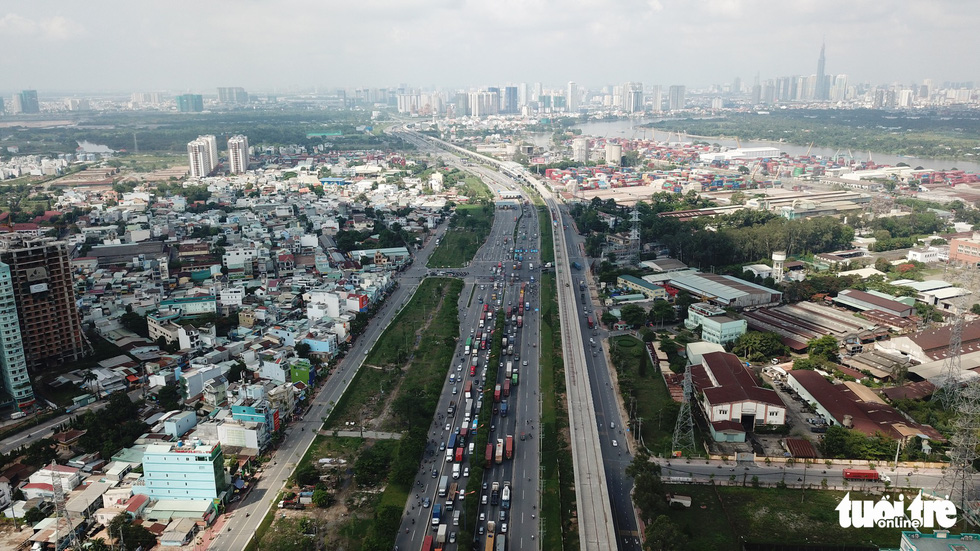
x=808 y=149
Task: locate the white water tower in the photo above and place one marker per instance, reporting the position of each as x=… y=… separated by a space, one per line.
x=778 y=260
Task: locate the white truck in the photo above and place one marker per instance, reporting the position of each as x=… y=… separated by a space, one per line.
x=441 y=534
x=456 y=470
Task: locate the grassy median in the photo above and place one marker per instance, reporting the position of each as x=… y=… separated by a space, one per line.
x=468 y=230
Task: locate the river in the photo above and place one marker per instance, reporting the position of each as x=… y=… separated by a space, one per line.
x=630 y=129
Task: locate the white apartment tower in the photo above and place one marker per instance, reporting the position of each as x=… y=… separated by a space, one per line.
x=238 y=154
x=13 y=363
x=203 y=155
x=571 y=102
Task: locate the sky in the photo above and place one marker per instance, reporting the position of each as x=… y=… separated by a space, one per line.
x=291 y=45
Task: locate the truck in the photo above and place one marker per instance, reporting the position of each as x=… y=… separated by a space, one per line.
x=443 y=485
x=441 y=534
x=427 y=543
x=510 y=369
x=436 y=515
x=451 y=496
x=500 y=451
x=489 y=455
x=456 y=518
x=510 y=446
x=459 y=458
x=504 y=342
x=520 y=321
x=513 y=379
x=496 y=393
x=520 y=311
x=468 y=390
x=489 y=546
x=506 y=387
x=495 y=494
x=865 y=474
x=469 y=403
x=501 y=543
x=456 y=468
x=452 y=441
x=452 y=408
x=503 y=408
x=510 y=350
x=577 y=265
x=591 y=323
x=505 y=496
x=581 y=285
x=509 y=308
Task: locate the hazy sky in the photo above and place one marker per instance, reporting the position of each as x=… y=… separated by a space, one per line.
x=288 y=44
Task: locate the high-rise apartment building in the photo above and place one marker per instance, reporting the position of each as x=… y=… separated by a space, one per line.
x=1 y=106
x=26 y=103
x=675 y=98
x=234 y=95
x=633 y=97
x=13 y=363
x=202 y=155
x=44 y=292
x=190 y=103
x=511 y=100
x=656 y=94
x=572 y=97
x=483 y=104
x=237 y=154
x=839 y=90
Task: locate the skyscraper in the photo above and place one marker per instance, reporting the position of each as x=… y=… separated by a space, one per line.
x=13 y=362
x=26 y=103
x=232 y=95
x=572 y=97
x=510 y=99
x=238 y=154
x=44 y=293
x=656 y=93
x=633 y=97
x=202 y=155
x=675 y=97
x=190 y=103
x=820 y=92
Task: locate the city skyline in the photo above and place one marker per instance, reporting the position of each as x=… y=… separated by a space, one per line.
x=378 y=44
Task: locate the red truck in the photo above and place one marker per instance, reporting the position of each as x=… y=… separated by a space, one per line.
x=520 y=321
x=506 y=387
x=591 y=324
x=510 y=446
x=489 y=455
x=864 y=474
x=459 y=454
x=496 y=394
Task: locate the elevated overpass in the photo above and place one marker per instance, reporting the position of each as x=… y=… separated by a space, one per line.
x=597 y=530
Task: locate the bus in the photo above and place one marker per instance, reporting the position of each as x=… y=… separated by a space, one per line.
x=427 y=543
x=469 y=343
x=489 y=546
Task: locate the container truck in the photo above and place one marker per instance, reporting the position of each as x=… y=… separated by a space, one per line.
x=436 y=514
x=510 y=446
x=489 y=455
x=496 y=393
x=441 y=534
x=443 y=485
x=510 y=369
x=505 y=496
x=865 y=474
x=495 y=494
x=520 y=321
x=427 y=543
x=503 y=408
x=459 y=458
x=452 y=441
x=500 y=543
x=468 y=390
x=513 y=379
x=506 y=387
x=500 y=451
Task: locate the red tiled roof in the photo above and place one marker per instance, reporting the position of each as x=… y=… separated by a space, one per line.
x=732 y=381
x=134 y=504
x=799 y=448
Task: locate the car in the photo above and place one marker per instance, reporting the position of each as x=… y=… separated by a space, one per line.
x=503 y=515
x=503 y=528
x=366 y=352
x=426 y=502
x=483 y=516
x=455 y=390
x=466 y=472
x=493 y=426
x=484 y=485
x=452 y=537
x=442 y=446
x=449 y=426
x=612 y=425
x=525 y=363
x=435 y=473
x=480 y=530
x=615 y=443
x=483 y=500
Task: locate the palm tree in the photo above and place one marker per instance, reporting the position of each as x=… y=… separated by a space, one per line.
x=89 y=377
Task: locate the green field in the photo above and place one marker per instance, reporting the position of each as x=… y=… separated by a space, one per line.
x=644 y=393
x=468 y=230
x=475 y=189
x=721 y=517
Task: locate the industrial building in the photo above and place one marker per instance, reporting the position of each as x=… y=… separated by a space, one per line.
x=647 y=289
x=933 y=344
x=797 y=324
x=725 y=291
x=965 y=251
x=44 y=293
x=733 y=402
x=863 y=301
x=716 y=326
x=855 y=406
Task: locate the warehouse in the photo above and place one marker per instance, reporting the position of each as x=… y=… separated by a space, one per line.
x=725 y=291
x=733 y=402
x=862 y=301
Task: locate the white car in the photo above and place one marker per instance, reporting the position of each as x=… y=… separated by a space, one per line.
x=449 y=426
x=483 y=517
x=466 y=472
x=503 y=528
x=615 y=443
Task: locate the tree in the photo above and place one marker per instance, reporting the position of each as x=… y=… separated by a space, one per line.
x=135 y=323
x=169 y=397
x=662 y=312
x=302 y=350
x=34 y=515
x=823 y=347
x=664 y=535
x=882 y=265
x=975 y=309
x=757 y=346
x=129 y=536
x=633 y=315
x=648 y=492
x=90 y=377
x=322 y=498
x=307 y=475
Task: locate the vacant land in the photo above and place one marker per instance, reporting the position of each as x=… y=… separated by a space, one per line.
x=468 y=230
x=644 y=394
x=723 y=516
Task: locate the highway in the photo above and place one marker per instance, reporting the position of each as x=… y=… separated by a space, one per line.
x=492 y=259
x=238 y=529
x=597 y=528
